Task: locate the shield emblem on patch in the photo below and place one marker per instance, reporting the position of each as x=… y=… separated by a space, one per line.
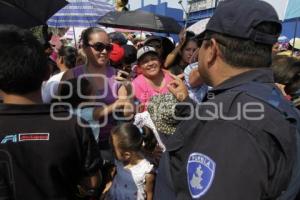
x=200 y=174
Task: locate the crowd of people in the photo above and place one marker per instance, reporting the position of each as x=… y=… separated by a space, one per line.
x=215 y=116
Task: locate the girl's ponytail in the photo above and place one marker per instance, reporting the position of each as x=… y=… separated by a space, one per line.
x=133 y=138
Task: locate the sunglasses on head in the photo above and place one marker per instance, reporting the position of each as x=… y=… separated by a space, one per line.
x=99 y=46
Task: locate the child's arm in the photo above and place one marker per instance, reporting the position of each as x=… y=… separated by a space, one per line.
x=149 y=187
x=108 y=185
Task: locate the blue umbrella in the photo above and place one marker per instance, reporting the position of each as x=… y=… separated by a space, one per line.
x=292 y=10
x=292 y=14
x=80 y=13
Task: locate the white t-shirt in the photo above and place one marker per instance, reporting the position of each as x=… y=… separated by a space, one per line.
x=129 y=184
x=51 y=87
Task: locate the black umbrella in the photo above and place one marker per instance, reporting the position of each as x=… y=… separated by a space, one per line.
x=140 y=20
x=28 y=13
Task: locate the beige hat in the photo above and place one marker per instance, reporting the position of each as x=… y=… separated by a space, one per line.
x=297 y=43
x=162 y=111
x=144 y=50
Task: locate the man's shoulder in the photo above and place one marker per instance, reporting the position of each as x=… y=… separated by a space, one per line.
x=41 y=115
x=237 y=100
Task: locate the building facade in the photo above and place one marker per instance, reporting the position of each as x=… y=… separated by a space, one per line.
x=200 y=9
x=163 y=9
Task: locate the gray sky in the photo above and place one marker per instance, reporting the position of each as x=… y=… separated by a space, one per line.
x=134 y=4
x=279 y=5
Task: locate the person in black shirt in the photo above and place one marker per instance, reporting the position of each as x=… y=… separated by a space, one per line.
x=44 y=153
x=240 y=142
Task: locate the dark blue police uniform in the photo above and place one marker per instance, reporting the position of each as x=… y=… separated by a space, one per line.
x=238 y=144
x=232 y=154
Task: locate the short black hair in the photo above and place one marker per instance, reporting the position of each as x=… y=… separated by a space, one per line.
x=293 y=86
x=130 y=54
x=243 y=53
x=166 y=43
x=69 y=56
x=22 y=61
x=284 y=69
x=117 y=37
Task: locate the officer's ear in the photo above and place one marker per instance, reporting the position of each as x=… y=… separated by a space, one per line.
x=213 y=51
x=216 y=45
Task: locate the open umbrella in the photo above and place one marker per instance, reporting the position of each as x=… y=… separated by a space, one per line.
x=140 y=20
x=80 y=13
x=28 y=13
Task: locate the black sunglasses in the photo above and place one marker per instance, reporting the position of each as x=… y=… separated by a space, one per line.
x=99 y=46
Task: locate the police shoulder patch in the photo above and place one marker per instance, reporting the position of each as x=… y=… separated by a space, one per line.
x=200 y=174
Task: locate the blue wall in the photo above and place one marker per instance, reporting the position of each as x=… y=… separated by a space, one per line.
x=163 y=9
x=196 y=16
x=288 y=28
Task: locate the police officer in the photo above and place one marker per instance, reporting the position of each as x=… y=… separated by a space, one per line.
x=238 y=144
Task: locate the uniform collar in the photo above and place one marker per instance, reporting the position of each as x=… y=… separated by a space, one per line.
x=6 y=109
x=263 y=75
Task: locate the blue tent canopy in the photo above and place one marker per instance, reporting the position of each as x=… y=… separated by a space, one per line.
x=292 y=15
x=292 y=10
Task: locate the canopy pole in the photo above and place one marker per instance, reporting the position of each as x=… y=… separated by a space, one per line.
x=187 y=17
x=295 y=35
x=185 y=12
x=74 y=35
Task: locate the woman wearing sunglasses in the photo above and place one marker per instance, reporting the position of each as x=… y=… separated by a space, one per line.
x=106 y=89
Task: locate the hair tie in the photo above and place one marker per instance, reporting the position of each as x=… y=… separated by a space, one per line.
x=141 y=130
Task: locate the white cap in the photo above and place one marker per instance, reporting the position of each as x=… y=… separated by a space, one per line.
x=143 y=50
